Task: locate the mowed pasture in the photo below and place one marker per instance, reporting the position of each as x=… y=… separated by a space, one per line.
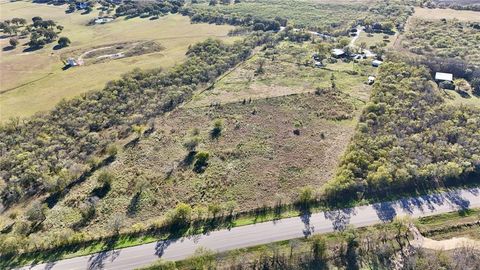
x=34 y=81
x=447 y=13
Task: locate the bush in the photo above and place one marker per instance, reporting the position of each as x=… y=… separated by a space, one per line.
x=447 y=85
x=201 y=161
x=105 y=178
x=64 y=42
x=13 y=42
x=217 y=129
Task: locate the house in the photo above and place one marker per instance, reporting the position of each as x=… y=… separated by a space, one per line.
x=371 y=79
x=338 y=53
x=443 y=77
x=376 y=63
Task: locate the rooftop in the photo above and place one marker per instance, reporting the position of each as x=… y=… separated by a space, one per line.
x=338 y=51
x=440 y=76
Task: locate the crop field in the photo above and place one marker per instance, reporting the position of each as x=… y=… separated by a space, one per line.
x=34 y=81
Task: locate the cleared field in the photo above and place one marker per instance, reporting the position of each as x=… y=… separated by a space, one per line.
x=375 y=39
x=447 y=13
x=35 y=81
x=285 y=73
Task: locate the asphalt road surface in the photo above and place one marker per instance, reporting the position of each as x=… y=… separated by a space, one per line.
x=262 y=233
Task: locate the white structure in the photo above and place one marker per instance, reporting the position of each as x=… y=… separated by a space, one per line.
x=371 y=79
x=103 y=20
x=376 y=63
x=71 y=62
x=440 y=77
x=338 y=52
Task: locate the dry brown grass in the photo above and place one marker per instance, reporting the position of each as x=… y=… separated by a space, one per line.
x=449 y=14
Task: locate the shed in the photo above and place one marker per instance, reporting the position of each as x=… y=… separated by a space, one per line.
x=338 y=52
x=376 y=63
x=442 y=77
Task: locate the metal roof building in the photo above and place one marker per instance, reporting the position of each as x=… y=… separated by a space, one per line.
x=440 y=76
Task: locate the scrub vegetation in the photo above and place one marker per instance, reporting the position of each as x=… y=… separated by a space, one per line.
x=445 y=39
x=325 y=17
x=408 y=139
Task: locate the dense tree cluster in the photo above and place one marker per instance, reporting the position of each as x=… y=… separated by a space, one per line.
x=41 y=31
x=408 y=138
x=47 y=152
x=210 y=16
x=131 y=8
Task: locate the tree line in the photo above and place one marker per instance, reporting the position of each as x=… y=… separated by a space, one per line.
x=215 y=17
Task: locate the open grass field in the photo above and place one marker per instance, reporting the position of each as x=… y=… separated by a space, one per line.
x=449 y=14
x=285 y=73
x=374 y=39
x=34 y=81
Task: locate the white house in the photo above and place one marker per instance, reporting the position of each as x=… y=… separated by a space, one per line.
x=376 y=63
x=442 y=77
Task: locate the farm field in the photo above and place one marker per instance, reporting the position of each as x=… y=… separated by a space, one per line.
x=34 y=81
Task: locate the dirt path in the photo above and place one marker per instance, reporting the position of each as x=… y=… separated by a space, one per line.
x=80 y=58
x=456 y=242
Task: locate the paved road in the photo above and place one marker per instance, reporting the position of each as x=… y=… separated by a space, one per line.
x=262 y=233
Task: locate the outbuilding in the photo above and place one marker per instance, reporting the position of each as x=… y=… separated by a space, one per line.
x=338 y=53
x=443 y=77
x=376 y=63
